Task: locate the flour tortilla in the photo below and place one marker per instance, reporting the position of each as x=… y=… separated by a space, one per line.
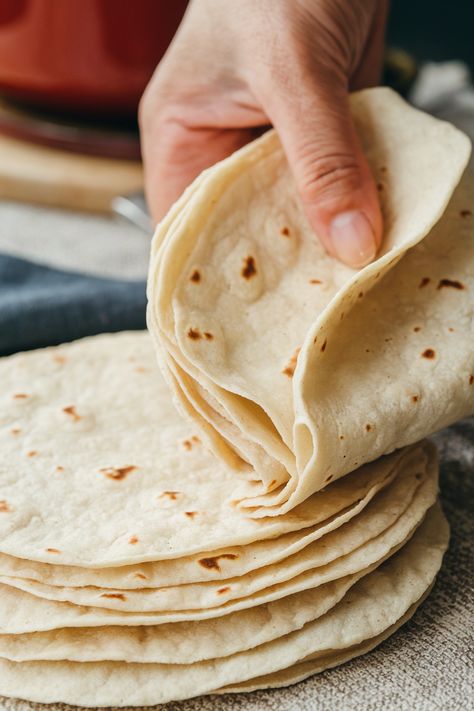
x=60 y=501
x=358 y=544
x=366 y=612
x=239 y=262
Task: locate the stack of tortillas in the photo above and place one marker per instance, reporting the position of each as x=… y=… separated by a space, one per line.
x=136 y=566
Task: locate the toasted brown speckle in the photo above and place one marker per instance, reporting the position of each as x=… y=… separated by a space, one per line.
x=429 y=353
x=315 y=281
x=249 y=269
x=52 y=550
x=71 y=411
x=465 y=213
x=417 y=328
x=360 y=294
x=32 y=453
x=194 y=334
x=15 y=430
x=223 y=590
x=328 y=479
x=415 y=398
x=368 y=427
x=290 y=368
x=471 y=379
x=451 y=330
x=424 y=282
x=141 y=369
x=213 y=563
x=285 y=231
x=20 y=396
x=140 y=576
x=341 y=437
x=195 y=439
x=208 y=336
x=190 y=514
x=451 y=284
x=323 y=347
x=4 y=507
x=173 y=495
x=117 y=473
x=132 y=540
x=114 y=596
x=59 y=468
x=195 y=276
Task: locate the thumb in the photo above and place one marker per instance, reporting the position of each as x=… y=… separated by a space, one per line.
x=332 y=174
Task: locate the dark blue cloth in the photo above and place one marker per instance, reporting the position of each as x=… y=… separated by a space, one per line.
x=40 y=306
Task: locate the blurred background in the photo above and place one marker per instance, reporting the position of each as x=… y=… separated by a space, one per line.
x=73 y=222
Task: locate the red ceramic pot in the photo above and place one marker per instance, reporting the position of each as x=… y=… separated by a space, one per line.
x=84 y=57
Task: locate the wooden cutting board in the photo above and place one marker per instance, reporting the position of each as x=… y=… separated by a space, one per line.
x=49 y=176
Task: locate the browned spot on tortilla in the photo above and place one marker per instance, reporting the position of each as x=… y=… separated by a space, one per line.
x=424 y=282
x=418 y=475
x=285 y=231
x=328 y=479
x=59 y=359
x=417 y=328
x=428 y=353
x=4 y=507
x=71 y=411
x=187 y=444
x=194 y=334
x=141 y=576
x=221 y=591
x=451 y=284
x=341 y=436
x=290 y=368
x=195 y=276
x=380 y=187
x=323 y=347
x=32 y=453
x=132 y=540
x=190 y=514
x=213 y=563
x=20 y=396
x=415 y=398
x=236 y=502
x=169 y=494
x=368 y=427
x=52 y=550
x=195 y=439
x=117 y=473
x=360 y=294
x=141 y=369
x=315 y=281
x=367 y=350
x=388 y=339
x=471 y=379
x=114 y=596
x=451 y=330
x=208 y=336
x=15 y=430
x=342 y=315
x=465 y=213
x=249 y=269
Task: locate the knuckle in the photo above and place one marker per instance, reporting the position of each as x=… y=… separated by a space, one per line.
x=328 y=175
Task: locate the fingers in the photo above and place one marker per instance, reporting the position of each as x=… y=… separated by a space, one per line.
x=175 y=154
x=312 y=116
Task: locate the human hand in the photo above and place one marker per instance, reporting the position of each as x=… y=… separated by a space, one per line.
x=236 y=67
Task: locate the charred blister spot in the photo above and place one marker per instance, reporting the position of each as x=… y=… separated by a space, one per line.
x=140 y=576
x=285 y=231
x=20 y=396
x=289 y=369
x=451 y=330
x=387 y=340
x=323 y=347
x=187 y=444
x=52 y=550
x=315 y=281
x=59 y=468
x=117 y=473
x=450 y=284
x=417 y=328
x=133 y=540
x=471 y=380
x=415 y=398
x=32 y=453
x=190 y=514
x=195 y=276
x=360 y=294
x=4 y=506
x=208 y=335
x=15 y=430
x=222 y=591
x=213 y=563
x=249 y=268
x=418 y=475
x=59 y=359
x=429 y=353
x=465 y=213
x=368 y=427
x=172 y=495
x=114 y=596
x=195 y=439
x=70 y=410
x=328 y=478
x=194 y=334
x=341 y=437
x=141 y=369
x=424 y=282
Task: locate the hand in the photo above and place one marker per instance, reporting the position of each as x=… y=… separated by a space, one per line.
x=236 y=66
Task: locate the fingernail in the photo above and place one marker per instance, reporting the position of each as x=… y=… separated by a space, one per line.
x=352 y=238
